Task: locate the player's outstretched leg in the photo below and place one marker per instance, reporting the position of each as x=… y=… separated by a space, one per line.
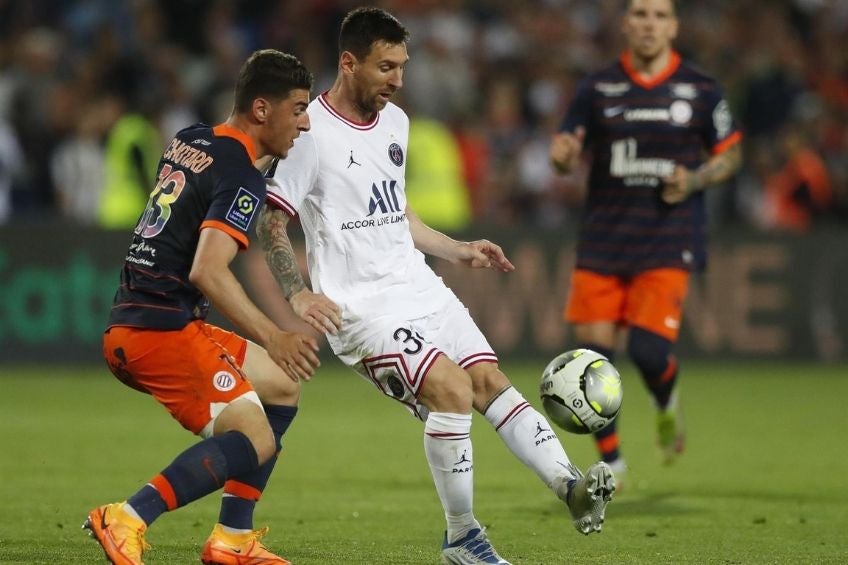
x=587 y=497
x=224 y=548
x=119 y=534
x=474 y=548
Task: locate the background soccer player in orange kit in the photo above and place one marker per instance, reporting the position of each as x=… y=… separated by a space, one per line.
x=648 y=121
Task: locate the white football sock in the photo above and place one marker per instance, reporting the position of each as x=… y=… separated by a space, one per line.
x=447 y=444
x=530 y=437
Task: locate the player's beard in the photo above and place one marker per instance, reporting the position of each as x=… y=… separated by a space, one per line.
x=369 y=102
x=370 y=105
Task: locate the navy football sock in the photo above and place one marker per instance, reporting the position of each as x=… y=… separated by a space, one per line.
x=651 y=353
x=243 y=491
x=197 y=471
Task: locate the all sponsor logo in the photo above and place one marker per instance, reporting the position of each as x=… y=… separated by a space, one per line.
x=384 y=207
x=384 y=198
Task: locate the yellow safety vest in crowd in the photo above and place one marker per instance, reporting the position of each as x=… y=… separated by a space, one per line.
x=123 y=197
x=435 y=187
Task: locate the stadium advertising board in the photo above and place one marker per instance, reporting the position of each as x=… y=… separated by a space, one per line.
x=762 y=296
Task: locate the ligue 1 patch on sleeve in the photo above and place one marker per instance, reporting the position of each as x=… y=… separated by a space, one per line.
x=242 y=209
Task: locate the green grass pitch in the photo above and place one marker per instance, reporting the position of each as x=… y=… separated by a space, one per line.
x=763 y=479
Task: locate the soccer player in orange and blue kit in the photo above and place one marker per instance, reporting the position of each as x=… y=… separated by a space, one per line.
x=240 y=396
x=659 y=132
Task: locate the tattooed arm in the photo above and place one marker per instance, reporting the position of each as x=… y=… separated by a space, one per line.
x=316 y=309
x=718 y=169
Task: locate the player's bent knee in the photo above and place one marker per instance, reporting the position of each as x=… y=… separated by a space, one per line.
x=648 y=351
x=248 y=417
x=487 y=381
x=447 y=389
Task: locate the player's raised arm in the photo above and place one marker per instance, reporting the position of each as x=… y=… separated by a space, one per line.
x=476 y=254
x=316 y=309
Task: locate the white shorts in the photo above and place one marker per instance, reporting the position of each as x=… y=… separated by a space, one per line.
x=395 y=354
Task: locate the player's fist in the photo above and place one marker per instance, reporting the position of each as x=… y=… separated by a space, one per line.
x=679 y=185
x=566 y=148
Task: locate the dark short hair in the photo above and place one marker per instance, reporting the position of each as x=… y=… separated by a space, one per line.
x=363 y=26
x=271 y=74
x=629 y=4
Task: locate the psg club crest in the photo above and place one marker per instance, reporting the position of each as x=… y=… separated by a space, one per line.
x=396 y=154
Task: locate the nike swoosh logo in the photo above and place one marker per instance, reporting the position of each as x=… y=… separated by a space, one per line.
x=103 y=524
x=614 y=111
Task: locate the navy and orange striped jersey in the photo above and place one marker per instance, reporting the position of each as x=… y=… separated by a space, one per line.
x=637 y=131
x=206 y=179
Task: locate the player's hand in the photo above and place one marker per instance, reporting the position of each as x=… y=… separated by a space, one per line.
x=295 y=353
x=317 y=310
x=566 y=148
x=677 y=187
x=483 y=254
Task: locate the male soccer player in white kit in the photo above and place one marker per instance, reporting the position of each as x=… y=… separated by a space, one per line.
x=386 y=313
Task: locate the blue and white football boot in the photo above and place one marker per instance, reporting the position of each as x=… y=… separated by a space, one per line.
x=472 y=549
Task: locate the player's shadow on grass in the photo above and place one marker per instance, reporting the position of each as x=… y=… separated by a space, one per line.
x=659 y=504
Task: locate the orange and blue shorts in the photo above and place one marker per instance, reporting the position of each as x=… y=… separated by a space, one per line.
x=194 y=372
x=652 y=300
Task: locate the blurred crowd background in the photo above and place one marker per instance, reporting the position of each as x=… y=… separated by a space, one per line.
x=90 y=91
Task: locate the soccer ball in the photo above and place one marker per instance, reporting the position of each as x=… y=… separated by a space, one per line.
x=581 y=391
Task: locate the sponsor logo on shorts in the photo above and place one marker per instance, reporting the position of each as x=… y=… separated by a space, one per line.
x=395 y=386
x=224 y=381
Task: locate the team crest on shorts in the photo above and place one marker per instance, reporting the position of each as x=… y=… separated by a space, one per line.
x=396 y=154
x=224 y=381
x=395 y=386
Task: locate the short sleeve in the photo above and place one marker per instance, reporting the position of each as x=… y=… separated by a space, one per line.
x=292 y=178
x=720 y=129
x=235 y=203
x=580 y=110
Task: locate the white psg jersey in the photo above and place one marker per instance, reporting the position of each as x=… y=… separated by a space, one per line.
x=346 y=182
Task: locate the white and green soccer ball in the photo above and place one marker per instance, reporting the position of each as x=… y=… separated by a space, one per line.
x=581 y=391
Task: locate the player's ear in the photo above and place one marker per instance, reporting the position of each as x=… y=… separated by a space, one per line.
x=347 y=62
x=260 y=110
